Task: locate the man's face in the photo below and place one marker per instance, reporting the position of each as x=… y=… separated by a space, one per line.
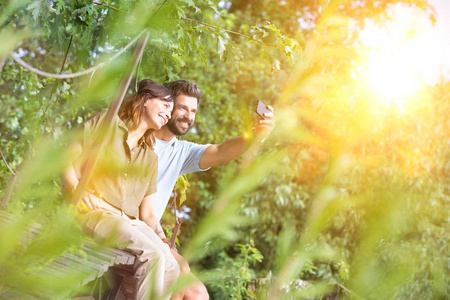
x=183 y=115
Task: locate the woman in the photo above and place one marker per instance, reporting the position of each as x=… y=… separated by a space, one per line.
x=118 y=203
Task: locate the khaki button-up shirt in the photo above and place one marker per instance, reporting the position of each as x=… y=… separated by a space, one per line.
x=122 y=176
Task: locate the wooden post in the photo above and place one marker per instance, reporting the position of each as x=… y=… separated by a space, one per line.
x=112 y=111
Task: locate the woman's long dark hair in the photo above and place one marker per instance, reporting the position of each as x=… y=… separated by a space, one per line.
x=131 y=110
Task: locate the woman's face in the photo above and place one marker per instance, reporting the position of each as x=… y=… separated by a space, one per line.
x=157 y=112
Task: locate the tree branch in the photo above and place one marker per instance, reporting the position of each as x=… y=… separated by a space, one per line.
x=106 y=5
x=11 y=183
x=65 y=56
x=226 y=30
x=159 y=7
x=30 y=68
x=349 y=291
x=9 y=190
x=6 y=163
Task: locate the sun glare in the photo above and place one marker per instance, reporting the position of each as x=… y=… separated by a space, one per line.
x=392 y=78
x=400 y=57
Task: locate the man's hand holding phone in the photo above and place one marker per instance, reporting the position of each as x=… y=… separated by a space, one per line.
x=266 y=124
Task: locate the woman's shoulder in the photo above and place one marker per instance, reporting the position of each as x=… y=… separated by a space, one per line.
x=96 y=120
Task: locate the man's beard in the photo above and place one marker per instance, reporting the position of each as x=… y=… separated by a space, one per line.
x=172 y=126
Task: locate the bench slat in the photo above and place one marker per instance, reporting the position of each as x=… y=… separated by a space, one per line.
x=90 y=265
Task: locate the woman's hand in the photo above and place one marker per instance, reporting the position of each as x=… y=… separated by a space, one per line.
x=89 y=201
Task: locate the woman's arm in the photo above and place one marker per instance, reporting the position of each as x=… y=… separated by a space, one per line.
x=147 y=214
x=70 y=179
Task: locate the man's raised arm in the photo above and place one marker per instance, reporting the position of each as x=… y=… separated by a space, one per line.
x=233 y=148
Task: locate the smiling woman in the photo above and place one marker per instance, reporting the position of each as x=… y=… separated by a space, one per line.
x=118 y=202
x=149 y=109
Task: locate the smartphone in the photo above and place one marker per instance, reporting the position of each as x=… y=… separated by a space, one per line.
x=261 y=109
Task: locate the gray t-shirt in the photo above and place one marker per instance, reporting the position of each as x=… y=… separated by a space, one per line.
x=175 y=158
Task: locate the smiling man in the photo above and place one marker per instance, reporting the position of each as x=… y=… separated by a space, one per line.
x=177 y=157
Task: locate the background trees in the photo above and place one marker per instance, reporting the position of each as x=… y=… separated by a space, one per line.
x=347 y=193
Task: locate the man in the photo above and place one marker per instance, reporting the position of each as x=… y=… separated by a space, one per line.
x=177 y=157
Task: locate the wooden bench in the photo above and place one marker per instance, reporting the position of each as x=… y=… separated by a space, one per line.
x=92 y=263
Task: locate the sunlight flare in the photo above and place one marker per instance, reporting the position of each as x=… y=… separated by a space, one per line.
x=400 y=57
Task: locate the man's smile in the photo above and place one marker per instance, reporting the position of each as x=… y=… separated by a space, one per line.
x=184 y=122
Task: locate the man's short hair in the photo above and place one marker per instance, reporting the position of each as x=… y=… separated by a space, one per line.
x=184 y=87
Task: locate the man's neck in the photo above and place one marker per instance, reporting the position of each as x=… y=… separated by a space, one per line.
x=164 y=134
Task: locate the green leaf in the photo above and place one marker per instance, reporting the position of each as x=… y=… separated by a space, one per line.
x=37 y=8
x=181 y=187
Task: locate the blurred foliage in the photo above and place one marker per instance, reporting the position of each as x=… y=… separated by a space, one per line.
x=237 y=272
x=350 y=200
